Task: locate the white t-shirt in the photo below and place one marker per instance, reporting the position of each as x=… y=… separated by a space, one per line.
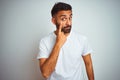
x=69 y=63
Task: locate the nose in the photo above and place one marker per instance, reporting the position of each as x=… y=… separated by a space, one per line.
x=68 y=22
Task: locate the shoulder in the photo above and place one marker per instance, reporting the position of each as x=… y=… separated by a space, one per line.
x=47 y=37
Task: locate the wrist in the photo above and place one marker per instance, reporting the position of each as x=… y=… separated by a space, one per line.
x=58 y=44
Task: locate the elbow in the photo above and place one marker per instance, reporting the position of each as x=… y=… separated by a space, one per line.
x=44 y=73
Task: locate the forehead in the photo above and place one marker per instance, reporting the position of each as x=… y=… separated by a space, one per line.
x=64 y=13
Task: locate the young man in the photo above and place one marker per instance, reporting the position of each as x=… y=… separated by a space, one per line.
x=61 y=52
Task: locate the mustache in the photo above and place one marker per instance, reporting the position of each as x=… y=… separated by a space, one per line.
x=64 y=27
x=68 y=26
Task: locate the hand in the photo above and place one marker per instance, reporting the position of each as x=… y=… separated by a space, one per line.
x=61 y=37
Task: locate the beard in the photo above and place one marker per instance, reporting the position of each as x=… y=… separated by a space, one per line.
x=65 y=29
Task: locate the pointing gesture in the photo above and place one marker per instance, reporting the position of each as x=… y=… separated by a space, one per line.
x=60 y=28
x=61 y=37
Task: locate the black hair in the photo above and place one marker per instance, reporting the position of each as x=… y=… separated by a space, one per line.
x=59 y=6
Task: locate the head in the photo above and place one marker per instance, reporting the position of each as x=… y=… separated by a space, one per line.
x=62 y=13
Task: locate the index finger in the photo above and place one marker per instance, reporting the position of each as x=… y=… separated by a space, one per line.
x=60 y=27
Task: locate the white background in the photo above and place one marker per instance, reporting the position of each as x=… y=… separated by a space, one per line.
x=24 y=22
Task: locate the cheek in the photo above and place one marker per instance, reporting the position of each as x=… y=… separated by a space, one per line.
x=66 y=22
x=58 y=23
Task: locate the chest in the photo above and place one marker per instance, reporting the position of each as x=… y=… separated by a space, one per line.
x=72 y=49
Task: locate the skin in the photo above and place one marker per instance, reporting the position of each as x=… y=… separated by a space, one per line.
x=89 y=67
x=62 y=20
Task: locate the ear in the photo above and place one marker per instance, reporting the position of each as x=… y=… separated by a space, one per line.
x=53 y=20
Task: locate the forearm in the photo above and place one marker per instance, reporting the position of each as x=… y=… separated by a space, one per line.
x=90 y=72
x=49 y=65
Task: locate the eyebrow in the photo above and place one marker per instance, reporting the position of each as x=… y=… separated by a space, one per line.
x=64 y=15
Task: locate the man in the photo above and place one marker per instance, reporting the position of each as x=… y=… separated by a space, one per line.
x=61 y=52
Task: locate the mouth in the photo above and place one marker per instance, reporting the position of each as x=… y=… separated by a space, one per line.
x=66 y=27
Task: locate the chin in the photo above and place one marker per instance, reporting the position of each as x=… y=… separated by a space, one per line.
x=67 y=31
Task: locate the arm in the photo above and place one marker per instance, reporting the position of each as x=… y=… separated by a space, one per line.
x=47 y=65
x=89 y=68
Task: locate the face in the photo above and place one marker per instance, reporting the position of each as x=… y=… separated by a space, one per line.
x=64 y=17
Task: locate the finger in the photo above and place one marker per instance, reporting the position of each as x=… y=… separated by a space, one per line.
x=60 y=27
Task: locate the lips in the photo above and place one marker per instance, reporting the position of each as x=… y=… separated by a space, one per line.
x=67 y=27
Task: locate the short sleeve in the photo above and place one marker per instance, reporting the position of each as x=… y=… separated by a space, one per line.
x=43 y=52
x=86 y=47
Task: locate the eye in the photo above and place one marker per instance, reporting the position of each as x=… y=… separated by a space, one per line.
x=70 y=18
x=63 y=19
